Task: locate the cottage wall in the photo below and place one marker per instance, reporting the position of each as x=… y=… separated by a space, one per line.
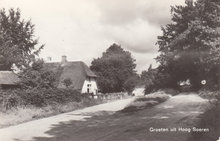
x=90 y=86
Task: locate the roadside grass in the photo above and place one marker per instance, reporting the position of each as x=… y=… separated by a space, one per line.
x=209 y=119
x=170 y=91
x=20 y=106
x=22 y=114
x=146 y=101
x=211 y=95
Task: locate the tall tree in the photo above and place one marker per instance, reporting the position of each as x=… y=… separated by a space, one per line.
x=114 y=69
x=190 y=44
x=17 y=40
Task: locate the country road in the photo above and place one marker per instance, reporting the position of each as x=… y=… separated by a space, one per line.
x=105 y=122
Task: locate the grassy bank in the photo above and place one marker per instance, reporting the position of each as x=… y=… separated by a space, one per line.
x=209 y=119
x=17 y=106
x=147 y=101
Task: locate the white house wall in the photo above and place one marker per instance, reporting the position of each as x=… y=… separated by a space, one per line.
x=93 y=86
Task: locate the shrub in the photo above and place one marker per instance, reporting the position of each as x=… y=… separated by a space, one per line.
x=67 y=82
x=37 y=97
x=17 y=106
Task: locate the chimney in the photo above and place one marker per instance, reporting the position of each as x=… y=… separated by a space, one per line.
x=64 y=60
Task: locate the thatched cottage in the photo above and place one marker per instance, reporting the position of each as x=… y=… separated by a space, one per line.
x=82 y=78
x=8 y=80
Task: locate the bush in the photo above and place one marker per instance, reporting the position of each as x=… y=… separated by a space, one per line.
x=17 y=106
x=37 y=97
x=67 y=82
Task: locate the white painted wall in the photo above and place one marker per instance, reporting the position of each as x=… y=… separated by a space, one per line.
x=92 y=86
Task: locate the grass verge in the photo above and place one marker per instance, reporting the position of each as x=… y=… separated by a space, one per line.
x=22 y=114
x=18 y=106
x=210 y=119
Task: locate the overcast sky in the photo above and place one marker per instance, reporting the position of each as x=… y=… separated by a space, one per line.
x=83 y=29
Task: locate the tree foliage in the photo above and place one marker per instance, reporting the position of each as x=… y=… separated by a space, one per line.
x=190 y=45
x=17 y=40
x=37 y=76
x=114 y=69
x=154 y=80
x=130 y=83
x=67 y=82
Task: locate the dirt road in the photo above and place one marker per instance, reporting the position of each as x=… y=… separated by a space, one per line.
x=103 y=123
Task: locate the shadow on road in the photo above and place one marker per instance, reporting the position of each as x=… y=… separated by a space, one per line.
x=132 y=126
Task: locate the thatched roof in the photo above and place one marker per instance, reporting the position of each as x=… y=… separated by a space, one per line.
x=8 y=78
x=76 y=71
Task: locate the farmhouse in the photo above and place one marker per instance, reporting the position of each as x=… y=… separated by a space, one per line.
x=8 y=80
x=77 y=72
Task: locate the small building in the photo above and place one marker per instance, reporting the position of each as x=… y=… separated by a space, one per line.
x=81 y=77
x=8 y=80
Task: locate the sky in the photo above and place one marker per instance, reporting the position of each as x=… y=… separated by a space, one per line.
x=83 y=29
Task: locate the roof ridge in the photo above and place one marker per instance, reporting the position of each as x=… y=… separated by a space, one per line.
x=66 y=62
x=87 y=70
x=82 y=64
